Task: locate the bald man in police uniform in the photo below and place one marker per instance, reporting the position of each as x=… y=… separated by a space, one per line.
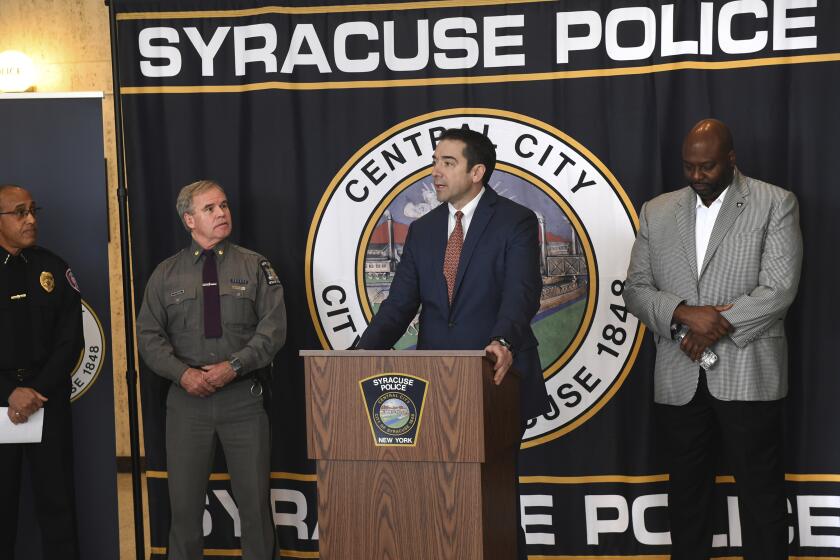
x=212 y=318
x=40 y=343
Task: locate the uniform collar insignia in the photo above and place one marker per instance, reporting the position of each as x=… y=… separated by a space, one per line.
x=6 y=256
x=196 y=250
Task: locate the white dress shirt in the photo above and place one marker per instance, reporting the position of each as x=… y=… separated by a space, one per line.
x=468 y=210
x=704 y=223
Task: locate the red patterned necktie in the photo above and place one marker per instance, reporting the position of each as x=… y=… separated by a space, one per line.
x=453 y=255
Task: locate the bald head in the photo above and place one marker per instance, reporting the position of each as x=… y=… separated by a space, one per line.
x=708 y=159
x=18 y=226
x=710 y=131
x=10 y=191
x=8 y=186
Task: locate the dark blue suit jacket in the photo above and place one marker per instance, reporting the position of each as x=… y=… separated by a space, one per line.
x=497 y=290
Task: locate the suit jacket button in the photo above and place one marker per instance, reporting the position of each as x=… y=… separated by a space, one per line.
x=451 y=324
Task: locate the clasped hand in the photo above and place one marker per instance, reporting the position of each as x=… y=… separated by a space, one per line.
x=705 y=325
x=207 y=380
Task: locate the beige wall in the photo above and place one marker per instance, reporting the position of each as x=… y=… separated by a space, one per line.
x=68 y=40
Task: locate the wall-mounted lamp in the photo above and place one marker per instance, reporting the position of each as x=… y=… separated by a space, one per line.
x=17 y=72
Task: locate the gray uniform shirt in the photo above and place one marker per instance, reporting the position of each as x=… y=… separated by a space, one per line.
x=170 y=326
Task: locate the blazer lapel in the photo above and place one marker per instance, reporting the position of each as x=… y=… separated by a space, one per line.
x=733 y=205
x=685 y=214
x=481 y=217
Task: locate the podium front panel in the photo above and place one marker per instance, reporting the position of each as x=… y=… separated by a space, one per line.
x=450 y=422
x=399 y=510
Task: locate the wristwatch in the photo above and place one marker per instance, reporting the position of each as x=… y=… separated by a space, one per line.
x=236 y=364
x=502 y=341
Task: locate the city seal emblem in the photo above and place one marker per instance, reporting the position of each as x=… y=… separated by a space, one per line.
x=90 y=361
x=587 y=225
x=394 y=404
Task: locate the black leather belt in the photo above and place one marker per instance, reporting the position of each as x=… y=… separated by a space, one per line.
x=21 y=374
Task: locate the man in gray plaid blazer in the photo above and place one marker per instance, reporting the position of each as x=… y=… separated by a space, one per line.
x=721 y=257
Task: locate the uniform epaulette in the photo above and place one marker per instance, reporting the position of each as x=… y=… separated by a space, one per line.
x=44 y=252
x=172 y=257
x=245 y=251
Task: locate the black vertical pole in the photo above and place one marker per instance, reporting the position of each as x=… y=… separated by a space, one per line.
x=128 y=302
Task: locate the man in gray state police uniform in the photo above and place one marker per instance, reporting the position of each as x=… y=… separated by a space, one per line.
x=212 y=317
x=720 y=257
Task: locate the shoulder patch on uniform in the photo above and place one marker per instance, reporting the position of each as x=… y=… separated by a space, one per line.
x=72 y=280
x=271 y=277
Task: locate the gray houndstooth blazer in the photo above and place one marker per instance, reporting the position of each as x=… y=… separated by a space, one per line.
x=753 y=262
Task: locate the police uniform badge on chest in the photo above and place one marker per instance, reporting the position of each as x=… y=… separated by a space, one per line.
x=239 y=284
x=271 y=277
x=47 y=281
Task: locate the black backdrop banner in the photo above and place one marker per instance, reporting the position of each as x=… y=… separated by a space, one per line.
x=320 y=122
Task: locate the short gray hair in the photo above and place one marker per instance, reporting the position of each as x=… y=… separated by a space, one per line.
x=184 y=203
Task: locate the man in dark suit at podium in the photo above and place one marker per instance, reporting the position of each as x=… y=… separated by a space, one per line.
x=472 y=263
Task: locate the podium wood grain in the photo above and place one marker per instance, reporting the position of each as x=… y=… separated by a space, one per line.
x=400 y=510
x=452 y=495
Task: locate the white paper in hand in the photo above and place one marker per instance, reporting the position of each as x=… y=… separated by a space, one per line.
x=27 y=432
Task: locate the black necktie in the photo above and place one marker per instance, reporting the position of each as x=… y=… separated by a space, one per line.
x=210 y=284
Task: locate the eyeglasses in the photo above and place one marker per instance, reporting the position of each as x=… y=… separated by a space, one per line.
x=22 y=213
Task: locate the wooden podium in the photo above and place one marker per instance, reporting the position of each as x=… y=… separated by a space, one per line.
x=451 y=494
